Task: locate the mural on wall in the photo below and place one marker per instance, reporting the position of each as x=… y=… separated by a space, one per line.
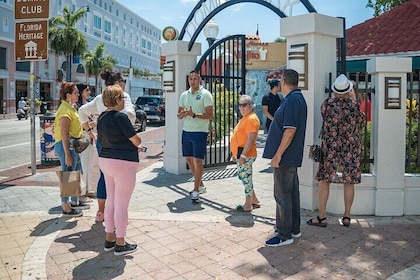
x=256 y=84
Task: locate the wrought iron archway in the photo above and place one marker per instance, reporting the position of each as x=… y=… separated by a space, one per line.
x=222 y=69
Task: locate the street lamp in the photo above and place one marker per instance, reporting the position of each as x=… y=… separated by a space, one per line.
x=211 y=29
x=86 y=6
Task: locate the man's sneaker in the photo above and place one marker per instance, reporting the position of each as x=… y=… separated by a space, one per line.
x=201 y=190
x=195 y=197
x=109 y=245
x=295 y=235
x=73 y=213
x=125 y=249
x=80 y=206
x=276 y=241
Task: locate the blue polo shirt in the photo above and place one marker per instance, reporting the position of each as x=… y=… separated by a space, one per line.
x=292 y=113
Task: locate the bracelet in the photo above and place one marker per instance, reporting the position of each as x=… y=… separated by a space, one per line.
x=243 y=156
x=89 y=130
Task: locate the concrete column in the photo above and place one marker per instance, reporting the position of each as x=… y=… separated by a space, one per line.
x=319 y=34
x=388 y=134
x=185 y=62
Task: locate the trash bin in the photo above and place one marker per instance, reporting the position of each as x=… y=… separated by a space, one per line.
x=48 y=156
x=43 y=107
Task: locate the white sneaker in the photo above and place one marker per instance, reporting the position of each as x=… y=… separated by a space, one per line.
x=201 y=190
x=195 y=197
x=297 y=235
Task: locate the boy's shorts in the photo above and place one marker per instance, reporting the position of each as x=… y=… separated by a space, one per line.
x=194 y=144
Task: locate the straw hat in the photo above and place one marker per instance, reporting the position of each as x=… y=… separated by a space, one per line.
x=342 y=85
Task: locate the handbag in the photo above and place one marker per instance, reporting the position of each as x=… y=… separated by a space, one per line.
x=315 y=153
x=80 y=144
x=240 y=150
x=69 y=183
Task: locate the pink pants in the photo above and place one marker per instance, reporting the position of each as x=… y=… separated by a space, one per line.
x=120 y=179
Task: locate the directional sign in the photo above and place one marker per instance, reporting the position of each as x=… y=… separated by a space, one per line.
x=31 y=40
x=32 y=9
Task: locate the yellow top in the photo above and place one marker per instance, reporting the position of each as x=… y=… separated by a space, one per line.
x=66 y=110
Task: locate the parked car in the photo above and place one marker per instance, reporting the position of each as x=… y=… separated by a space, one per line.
x=154 y=106
x=141 y=120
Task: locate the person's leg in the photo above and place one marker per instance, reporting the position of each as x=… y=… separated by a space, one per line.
x=283 y=185
x=59 y=152
x=125 y=182
x=107 y=166
x=295 y=204
x=244 y=172
x=199 y=148
x=323 y=193
x=348 y=198
x=100 y=191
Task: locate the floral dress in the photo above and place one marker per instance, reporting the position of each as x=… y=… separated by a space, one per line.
x=341 y=144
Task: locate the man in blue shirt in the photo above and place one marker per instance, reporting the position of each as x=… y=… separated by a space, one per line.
x=284 y=146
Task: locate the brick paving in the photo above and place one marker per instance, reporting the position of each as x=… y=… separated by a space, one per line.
x=181 y=240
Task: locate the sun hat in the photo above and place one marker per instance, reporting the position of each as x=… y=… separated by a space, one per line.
x=342 y=85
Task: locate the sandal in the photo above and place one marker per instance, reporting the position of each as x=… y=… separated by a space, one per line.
x=256 y=205
x=319 y=224
x=345 y=223
x=240 y=208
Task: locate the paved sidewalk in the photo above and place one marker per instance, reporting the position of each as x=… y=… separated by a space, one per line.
x=181 y=240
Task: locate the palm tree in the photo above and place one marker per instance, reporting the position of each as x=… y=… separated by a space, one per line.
x=65 y=38
x=96 y=62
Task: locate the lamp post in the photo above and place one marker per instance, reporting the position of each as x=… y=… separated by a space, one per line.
x=211 y=29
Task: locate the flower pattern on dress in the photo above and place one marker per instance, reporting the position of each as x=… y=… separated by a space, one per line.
x=341 y=144
x=244 y=172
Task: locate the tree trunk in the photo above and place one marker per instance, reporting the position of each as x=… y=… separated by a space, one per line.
x=68 y=64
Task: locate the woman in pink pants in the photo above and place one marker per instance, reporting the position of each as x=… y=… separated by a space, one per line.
x=118 y=160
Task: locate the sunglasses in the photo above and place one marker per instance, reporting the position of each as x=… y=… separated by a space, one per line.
x=123 y=81
x=243 y=105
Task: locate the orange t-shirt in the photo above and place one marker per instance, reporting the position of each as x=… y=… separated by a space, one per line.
x=249 y=123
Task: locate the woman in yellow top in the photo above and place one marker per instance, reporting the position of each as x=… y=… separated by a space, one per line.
x=244 y=137
x=67 y=127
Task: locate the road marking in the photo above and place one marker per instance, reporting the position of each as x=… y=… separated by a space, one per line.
x=17 y=145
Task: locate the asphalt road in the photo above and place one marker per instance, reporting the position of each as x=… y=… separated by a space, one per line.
x=15 y=141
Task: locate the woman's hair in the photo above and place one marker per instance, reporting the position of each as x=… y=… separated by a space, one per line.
x=66 y=88
x=81 y=88
x=111 y=77
x=249 y=100
x=111 y=95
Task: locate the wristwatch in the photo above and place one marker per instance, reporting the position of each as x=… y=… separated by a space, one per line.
x=193 y=115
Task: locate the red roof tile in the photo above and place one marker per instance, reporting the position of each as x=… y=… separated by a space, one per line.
x=396 y=31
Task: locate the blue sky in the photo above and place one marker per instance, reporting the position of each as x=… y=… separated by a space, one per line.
x=243 y=18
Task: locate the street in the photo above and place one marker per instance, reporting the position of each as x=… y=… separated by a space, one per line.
x=15 y=141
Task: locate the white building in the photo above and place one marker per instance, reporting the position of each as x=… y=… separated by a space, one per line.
x=127 y=37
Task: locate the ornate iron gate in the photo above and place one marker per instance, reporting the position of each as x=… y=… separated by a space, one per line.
x=222 y=69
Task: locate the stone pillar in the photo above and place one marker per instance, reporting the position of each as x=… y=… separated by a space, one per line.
x=388 y=134
x=185 y=61
x=311 y=47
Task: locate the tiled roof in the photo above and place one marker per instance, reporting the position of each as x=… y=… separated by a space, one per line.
x=396 y=31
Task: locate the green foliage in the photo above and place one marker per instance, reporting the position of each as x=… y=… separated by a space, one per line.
x=223 y=113
x=96 y=62
x=64 y=37
x=382 y=6
x=365 y=139
x=412 y=134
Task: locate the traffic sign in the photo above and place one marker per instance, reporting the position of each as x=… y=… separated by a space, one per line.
x=31 y=40
x=25 y=9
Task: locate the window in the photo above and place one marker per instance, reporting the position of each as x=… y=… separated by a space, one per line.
x=143 y=43
x=80 y=69
x=23 y=66
x=105 y=6
x=97 y=22
x=107 y=27
x=149 y=46
x=100 y=3
x=117 y=13
x=3 y=58
x=5 y=25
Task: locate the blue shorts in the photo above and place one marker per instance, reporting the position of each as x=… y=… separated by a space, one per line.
x=194 y=144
